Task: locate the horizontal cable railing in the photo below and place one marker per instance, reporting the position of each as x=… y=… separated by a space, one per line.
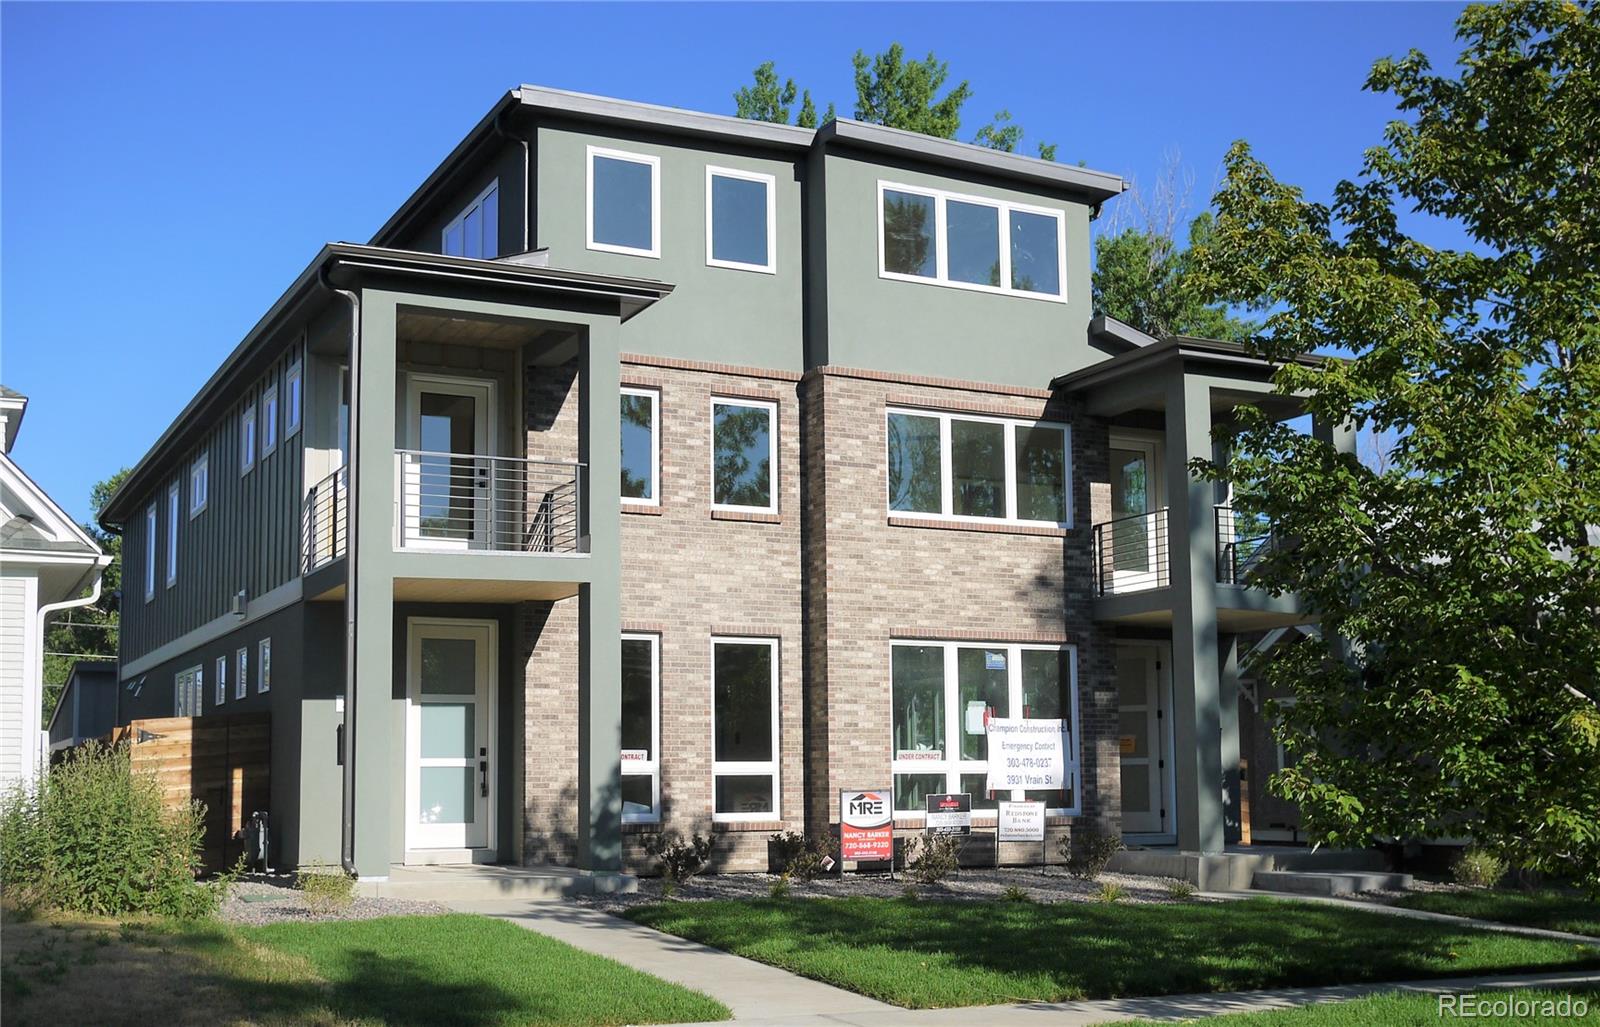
x=494 y=503
x=1242 y=543
x=322 y=521
x=1130 y=553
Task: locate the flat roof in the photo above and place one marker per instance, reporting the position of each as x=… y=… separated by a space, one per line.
x=1135 y=361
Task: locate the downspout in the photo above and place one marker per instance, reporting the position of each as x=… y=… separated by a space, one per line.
x=98 y=571
x=351 y=593
x=527 y=179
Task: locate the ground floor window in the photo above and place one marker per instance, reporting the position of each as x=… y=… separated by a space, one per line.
x=188 y=693
x=744 y=728
x=641 y=729
x=943 y=694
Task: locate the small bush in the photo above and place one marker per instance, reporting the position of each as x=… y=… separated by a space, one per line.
x=669 y=887
x=1015 y=894
x=780 y=887
x=1088 y=852
x=909 y=893
x=1180 y=889
x=933 y=857
x=326 y=889
x=800 y=856
x=1110 y=892
x=680 y=860
x=93 y=836
x=1478 y=868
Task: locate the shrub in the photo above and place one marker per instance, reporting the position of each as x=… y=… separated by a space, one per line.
x=325 y=889
x=1015 y=894
x=780 y=887
x=1478 y=868
x=92 y=836
x=800 y=856
x=1088 y=852
x=1110 y=892
x=1179 y=889
x=909 y=893
x=933 y=857
x=680 y=860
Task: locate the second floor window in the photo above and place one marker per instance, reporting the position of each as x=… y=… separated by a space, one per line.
x=150 y=553
x=173 y=508
x=264 y=672
x=247 y=439
x=222 y=680
x=475 y=232
x=293 y=387
x=970 y=242
x=269 y=420
x=744 y=458
x=978 y=468
x=641 y=446
x=740 y=220
x=624 y=201
x=199 y=483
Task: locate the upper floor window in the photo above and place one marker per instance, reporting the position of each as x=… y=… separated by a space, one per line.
x=199 y=483
x=641 y=446
x=173 y=507
x=970 y=242
x=247 y=439
x=293 y=388
x=269 y=420
x=741 y=220
x=150 y=553
x=744 y=455
x=641 y=729
x=964 y=467
x=624 y=202
x=476 y=231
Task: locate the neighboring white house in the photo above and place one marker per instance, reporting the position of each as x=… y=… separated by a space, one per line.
x=47 y=563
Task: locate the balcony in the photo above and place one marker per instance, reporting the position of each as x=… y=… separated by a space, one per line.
x=471 y=503
x=1242 y=543
x=323 y=522
x=1131 y=554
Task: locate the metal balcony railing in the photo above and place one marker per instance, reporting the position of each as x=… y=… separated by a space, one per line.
x=1242 y=543
x=500 y=504
x=1130 y=554
x=322 y=521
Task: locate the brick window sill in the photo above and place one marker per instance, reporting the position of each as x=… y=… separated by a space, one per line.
x=748 y=518
x=991 y=529
x=641 y=509
x=747 y=827
x=642 y=828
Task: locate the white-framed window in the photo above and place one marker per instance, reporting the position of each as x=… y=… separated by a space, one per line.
x=294 y=387
x=641 y=729
x=971 y=242
x=241 y=677
x=199 y=483
x=966 y=467
x=188 y=693
x=942 y=695
x=475 y=232
x=623 y=202
x=741 y=220
x=150 y=552
x=264 y=671
x=222 y=680
x=247 y=438
x=641 y=446
x=269 y=420
x=744 y=728
x=174 y=509
x=744 y=454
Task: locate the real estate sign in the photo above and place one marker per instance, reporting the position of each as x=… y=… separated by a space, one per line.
x=866 y=824
x=1021 y=822
x=949 y=813
x=1026 y=753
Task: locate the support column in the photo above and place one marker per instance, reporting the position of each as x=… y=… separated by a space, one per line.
x=1228 y=701
x=600 y=607
x=1197 y=713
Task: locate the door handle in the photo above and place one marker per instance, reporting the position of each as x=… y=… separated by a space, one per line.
x=483 y=771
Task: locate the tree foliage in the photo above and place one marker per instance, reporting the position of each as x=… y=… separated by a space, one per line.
x=1454 y=688
x=87 y=632
x=1143 y=278
x=765 y=100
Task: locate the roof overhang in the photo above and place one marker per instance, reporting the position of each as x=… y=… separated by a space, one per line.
x=1136 y=378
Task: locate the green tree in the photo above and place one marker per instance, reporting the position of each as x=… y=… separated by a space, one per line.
x=766 y=100
x=1142 y=277
x=87 y=632
x=1455 y=688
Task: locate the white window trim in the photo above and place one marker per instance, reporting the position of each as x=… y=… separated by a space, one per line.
x=952 y=765
x=461 y=218
x=947 y=476
x=739 y=768
x=771 y=408
x=941 y=275
x=655 y=201
x=293 y=398
x=652 y=766
x=771 y=182
x=654 y=395
x=264 y=666
x=247 y=438
x=269 y=420
x=174 y=516
x=199 y=484
x=151 y=535
x=241 y=681
x=222 y=680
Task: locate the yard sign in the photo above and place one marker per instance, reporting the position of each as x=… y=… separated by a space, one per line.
x=866 y=825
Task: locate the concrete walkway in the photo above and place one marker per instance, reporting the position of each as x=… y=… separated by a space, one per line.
x=765 y=996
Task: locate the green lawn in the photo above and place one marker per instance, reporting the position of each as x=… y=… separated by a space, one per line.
x=1549 y=909
x=1396 y=1010
x=934 y=954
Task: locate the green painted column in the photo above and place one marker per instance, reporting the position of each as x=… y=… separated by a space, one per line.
x=1197 y=713
x=1228 y=704
x=600 y=607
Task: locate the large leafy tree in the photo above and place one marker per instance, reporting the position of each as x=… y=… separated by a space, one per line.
x=87 y=632
x=1455 y=688
x=1145 y=278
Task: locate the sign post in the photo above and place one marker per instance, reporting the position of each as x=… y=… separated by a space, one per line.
x=866 y=826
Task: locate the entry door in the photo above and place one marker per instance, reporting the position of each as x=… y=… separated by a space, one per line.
x=1141 y=738
x=449 y=473
x=1136 y=537
x=450 y=735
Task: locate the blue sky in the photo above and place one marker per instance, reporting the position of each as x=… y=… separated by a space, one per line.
x=187 y=160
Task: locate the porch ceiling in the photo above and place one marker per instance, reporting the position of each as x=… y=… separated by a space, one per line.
x=474 y=590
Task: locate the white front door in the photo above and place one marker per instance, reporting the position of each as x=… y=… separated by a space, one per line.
x=450 y=723
x=449 y=471
x=1138 y=534
x=1143 y=739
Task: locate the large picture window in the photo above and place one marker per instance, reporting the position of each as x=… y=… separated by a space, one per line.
x=641 y=729
x=741 y=216
x=624 y=201
x=970 y=242
x=744 y=728
x=942 y=695
x=641 y=446
x=966 y=468
x=744 y=455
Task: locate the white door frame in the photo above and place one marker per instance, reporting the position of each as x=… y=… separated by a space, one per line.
x=1150 y=444
x=478 y=842
x=1160 y=727
x=485 y=419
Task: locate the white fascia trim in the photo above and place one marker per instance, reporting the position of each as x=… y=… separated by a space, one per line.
x=771 y=182
x=60 y=525
x=655 y=201
x=284 y=595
